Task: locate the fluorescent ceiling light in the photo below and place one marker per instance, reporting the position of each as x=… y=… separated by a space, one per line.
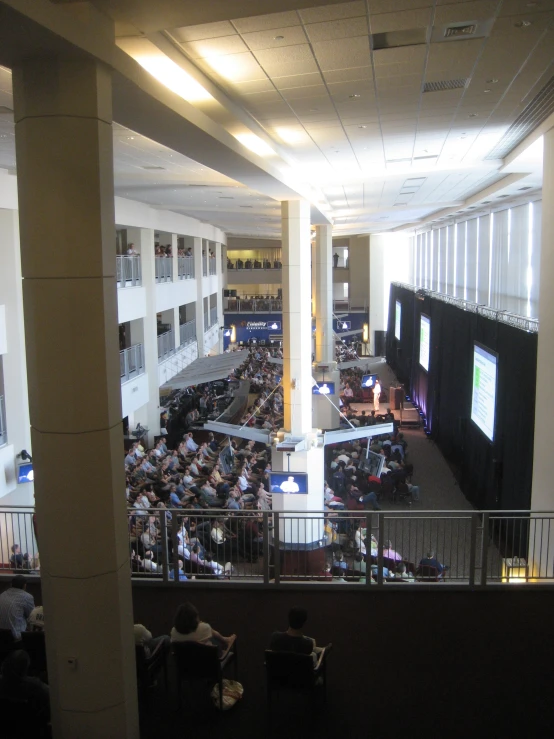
x=255 y=144
x=173 y=77
x=290 y=135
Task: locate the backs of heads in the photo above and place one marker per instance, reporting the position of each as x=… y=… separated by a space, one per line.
x=16 y=665
x=297 y=617
x=186 y=618
x=19 y=582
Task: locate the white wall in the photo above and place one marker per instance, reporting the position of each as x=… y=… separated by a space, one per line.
x=172 y=294
x=134 y=394
x=131 y=303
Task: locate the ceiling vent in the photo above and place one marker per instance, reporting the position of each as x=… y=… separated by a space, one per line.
x=395 y=39
x=467 y=29
x=530 y=117
x=152 y=167
x=443 y=85
x=529 y=187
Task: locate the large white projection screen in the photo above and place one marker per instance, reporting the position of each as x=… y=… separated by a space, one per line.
x=424 y=341
x=483 y=400
x=397 y=319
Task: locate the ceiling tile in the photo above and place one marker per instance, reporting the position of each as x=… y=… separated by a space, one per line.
x=297 y=80
x=407 y=20
x=292 y=36
x=331 y=30
x=413 y=55
x=245 y=88
x=342 y=54
x=466 y=11
x=317 y=93
x=291 y=60
x=348 y=75
x=333 y=12
x=233 y=67
x=266 y=22
x=215 y=46
x=206 y=30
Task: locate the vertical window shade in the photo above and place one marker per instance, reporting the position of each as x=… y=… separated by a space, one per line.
x=459 y=275
x=435 y=253
x=483 y=261
x=471 y=259
x=535 y=216
x=515 y=288
x=450 y=260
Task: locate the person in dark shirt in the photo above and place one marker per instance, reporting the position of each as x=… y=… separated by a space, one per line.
x=294 y=640
x=431 y=561
x=15 y=684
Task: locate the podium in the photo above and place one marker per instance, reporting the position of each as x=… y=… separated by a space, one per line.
x=396 y=397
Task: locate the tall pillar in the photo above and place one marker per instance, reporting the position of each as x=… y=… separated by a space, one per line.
x=66 y=206
x=219 y=294
x=541 y=491
x=199 y=276
x=299 y=532
x=325 y=408
x=148 y=415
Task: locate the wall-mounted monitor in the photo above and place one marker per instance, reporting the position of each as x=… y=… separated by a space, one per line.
x=368 y=381
x=25 y=473
x=372 y=463
x=274 y=325
x=397 y=319
x=424 y=341
x=344 y=325
x=288 y=483
x=324 y=388
x=483 y=399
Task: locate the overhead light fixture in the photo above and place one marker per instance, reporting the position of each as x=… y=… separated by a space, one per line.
x=278 y=38
x=492 y=81
x=522 y=24
x=173 y=77
x=353 y=97
x=255 y=144
x=486 y=90
x=364 y=126
x=473 y=115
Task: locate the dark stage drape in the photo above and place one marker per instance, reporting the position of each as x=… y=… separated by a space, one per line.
x=492 y=475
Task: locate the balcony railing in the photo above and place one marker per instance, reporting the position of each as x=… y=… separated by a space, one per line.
x=164 y=269
x=3 y=428
x=204 y=265
x=212 y=265
x=210 y=319
x=131 y=361
x=166 y=345
x=185 y=267
x=481 y=549
x=258 y=305
x=253 y=264
x=187 y=332
x=128 y=270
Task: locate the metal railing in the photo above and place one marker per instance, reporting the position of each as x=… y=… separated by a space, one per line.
x=213 y=317
x=474 y=549
x=3 y=427
x=166 y=345
x=128 y=270
x=212 y=265
x=185 y=268
x=253 y=264
x=164 y=269
x=204 y=265
x=131 y=362
x=254 y=305
x=187 y=332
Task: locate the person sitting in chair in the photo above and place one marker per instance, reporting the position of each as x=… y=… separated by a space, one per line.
x=189 y=627
x=294 y=640
x=431 y=561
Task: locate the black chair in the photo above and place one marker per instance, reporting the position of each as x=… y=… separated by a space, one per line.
x=295 y=672
x=7 y=643
x=34 y=644
x=427 y=573
x=195 y=661
x=19 y=720
x=149 y=667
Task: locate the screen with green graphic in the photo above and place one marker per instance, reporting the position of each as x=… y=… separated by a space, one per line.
x=424 y=341
x=397 y=319
x=483 y=400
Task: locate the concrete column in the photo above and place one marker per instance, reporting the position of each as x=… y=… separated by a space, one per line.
x=358 y=262
x=66 y=203
x=220 y=319
x=325 y=409
x=297 y=321
x=148 y=415
x=12 y=351
x=541 y=491
x=198 y=274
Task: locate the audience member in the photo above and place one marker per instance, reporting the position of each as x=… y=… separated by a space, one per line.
x=16 y=606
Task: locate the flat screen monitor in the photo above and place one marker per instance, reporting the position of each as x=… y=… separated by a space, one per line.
x=483 y=399
x=324 y=388
x=274 y=325
x=25 y=473
x=278 y=379
x=372 y=464
x=424 y=341
x=289 y=483
x=344 y=325
x=397 y=319
x=369 y=380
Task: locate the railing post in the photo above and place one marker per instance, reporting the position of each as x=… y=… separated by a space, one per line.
x=472 y=550
x=380 y=540
x=484 y=549
x=165 y=549
x=265 y=545
x=276 y=549
x=368 y=577
x=175 y=544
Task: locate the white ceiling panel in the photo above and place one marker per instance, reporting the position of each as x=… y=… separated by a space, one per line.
x=275 y=38
x=332 y=30
x=215 y=47
x=478 y=10
x=333 y=12
x=348 y=75
x=206 y=30
x=298 y=80
x=291 y=60
x=233 y=67
x=343 y=53
x=386 y=22
x=266 y=22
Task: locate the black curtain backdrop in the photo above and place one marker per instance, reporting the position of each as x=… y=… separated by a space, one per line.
x=492 y=475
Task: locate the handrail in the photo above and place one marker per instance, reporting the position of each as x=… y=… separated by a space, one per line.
x=128 y=270
x=187 y=332
x=254 y=305
x=185 y=268
x=166 y=345
x=131 y=361
x=163 y=269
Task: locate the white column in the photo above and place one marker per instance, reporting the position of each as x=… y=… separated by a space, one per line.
x=542 y=497
x=297 y=321
x=12 y=349
x=325 y=408
x=219 y=294
x=148 y=415
x=198 y=274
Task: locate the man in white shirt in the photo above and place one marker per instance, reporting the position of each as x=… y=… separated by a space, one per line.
x=376 y=394
x=16 y=606
x=289 y=486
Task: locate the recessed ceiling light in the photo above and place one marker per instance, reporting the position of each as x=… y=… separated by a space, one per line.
x=472 y=115
x=486 y=90
x=352 y=97
x=278 y=38
x=314 y=110
x=522 y=24
x=492 y=81
x=362 y=126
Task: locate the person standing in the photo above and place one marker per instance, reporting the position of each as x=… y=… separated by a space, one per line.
x=376 y=394
x=335 y=260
